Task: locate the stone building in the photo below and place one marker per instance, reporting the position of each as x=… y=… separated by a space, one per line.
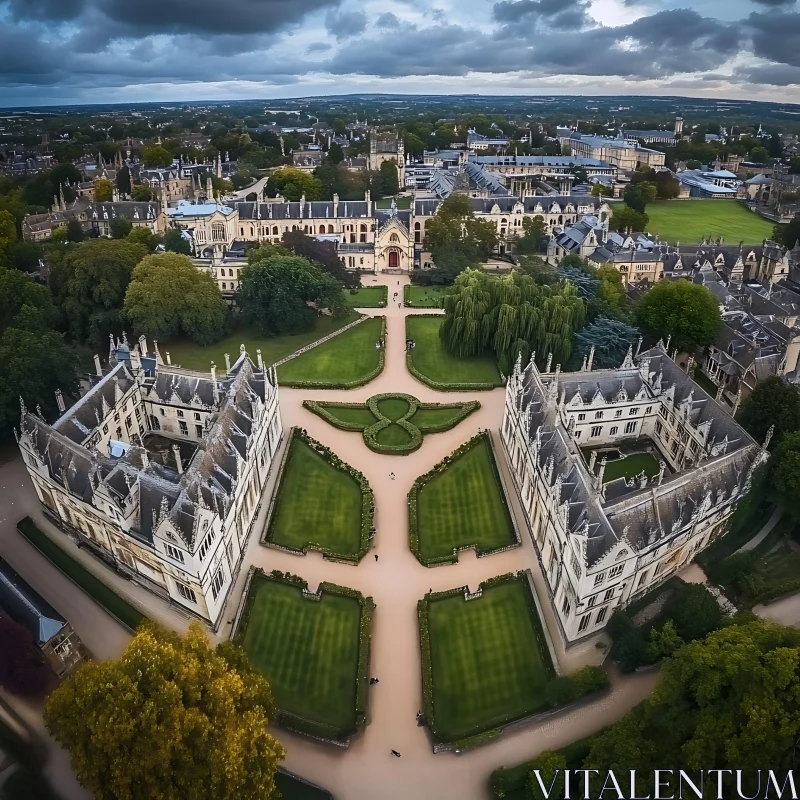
x=603 y=544
x=386 y=147
x=617 y=152
x=160 y=470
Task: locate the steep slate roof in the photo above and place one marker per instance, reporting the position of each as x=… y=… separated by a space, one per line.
x=26 y=606
x=311 y=209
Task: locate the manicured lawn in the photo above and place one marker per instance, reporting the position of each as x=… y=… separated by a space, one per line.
x=292 y=788
x=317 y=505
x=423 y=296
x=191 y=355
x=629 y=466
x=308 y=650
x=705 y=383
x=349 y=358
x=688 y=221
x=401 y=202
x=102 y=594
x=433 y=362
x=489 y=664
x=366 y=297
x=781 y=563
x=463 y=506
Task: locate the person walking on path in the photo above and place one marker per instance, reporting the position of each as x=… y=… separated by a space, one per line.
x=376 y=556
x=395 y=754
x=391 y=475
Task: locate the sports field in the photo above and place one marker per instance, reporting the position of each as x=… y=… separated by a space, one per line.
x=423 y=296
x=463 y=506
x=436 y=365
x=366 y=297
x=308 y=650
x=350 y=357
x=316 y=505
x=690 y=221
x=489 y=664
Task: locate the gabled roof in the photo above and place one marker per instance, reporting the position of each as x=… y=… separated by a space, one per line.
x=26 y=606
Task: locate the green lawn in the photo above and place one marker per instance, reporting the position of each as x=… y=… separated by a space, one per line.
x=191 y=355
x=489 y=664
x=423 y=296
x=705 y=383
x=349 y=358
x=292 y=788
x=401 y=202
x=308 y=650
x=689 y=221
x=781 y=564
x=316 y=505
x=463 y=506
x=435 y=364
x=102 y=594
x=629 y=466
x=366 y=297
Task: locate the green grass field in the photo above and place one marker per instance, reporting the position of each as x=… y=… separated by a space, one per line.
x=101 y=593
x=489 y=663
x=463 y=506
x=629 y=466
x=292 y=788
x=433 y=362
x=347 y=358
x=308 y=650
x=316 y=504
x=401 y=202
x=423 y=296
x=366 y=297
x=689 y=221
x=191 y=355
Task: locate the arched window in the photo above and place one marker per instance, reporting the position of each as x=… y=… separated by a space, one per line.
x=274 y=230
x=394 y=238
x=224 y=285
x=218 y=232
x=622 y=554
x=322 y=229
x=363 y=228
x=330 y=228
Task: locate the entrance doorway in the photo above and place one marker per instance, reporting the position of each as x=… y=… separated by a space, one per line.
x=394 y=259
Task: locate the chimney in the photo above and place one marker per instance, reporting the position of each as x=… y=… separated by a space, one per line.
x=169 y=360
x=143 y=345
x=260 y=359
x=335 y=205
x=368 y=202
x=97 y=368
x=227 y=362
x=599 y=481
x=661 y=467
x=591 y=359
x=214 y=381
x=60 y=402
x=176 y=451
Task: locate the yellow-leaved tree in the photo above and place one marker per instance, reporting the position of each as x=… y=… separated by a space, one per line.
x=169 y=719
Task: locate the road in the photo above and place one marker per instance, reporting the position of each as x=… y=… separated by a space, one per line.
x=396 y=581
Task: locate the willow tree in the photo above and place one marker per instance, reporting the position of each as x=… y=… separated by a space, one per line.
x=508 y=315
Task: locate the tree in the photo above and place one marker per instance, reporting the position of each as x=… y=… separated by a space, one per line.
x=335 y=153
x=663 y=642
x=785 y=473
x=144 y=236
x=22 y=671
x=103 y=190
x=321 y=253
x=388 y=178
x=510 y=315
x=90 y=286
x=167 y=295
x=124 y=180
x=534 y=238
x=17 y=291
x=8 y=230
x=74 y=231
x=141 y=193
x=601 y=190
x=759 y=155
x=694 y=611
x=610 y=338
x=154 y=156
x=626 y=219
x=635 y=199
x=774 y=401
x=293 y=183
x=668 y=186
x=275 y=293
x=788 y=235
x=119 y=227
x=170 y=718
x=175 y=242
x=686 y=311
x=647 y=190
x=550 y=767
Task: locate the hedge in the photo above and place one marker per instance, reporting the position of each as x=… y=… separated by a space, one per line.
x=367 y=499
x=370 y=432
x=346 y=384
x=413 y=523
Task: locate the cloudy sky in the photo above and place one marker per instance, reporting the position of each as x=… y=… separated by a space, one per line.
x=104 y=51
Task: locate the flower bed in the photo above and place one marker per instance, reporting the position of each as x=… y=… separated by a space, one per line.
x=372 y=433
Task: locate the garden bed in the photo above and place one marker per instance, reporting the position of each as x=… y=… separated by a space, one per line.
x=313 y=649
x=393 y=424
x=293 y=787
x=347 y=361
x=431 y=364
x=321 y=503
x=366 y=297
x=460 y=504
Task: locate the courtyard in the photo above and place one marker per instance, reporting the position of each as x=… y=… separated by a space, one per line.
x=485 y=659
x=308 y=649
x=691 y=221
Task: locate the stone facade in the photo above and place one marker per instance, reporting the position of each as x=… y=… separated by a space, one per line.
x=160 y=470
x=602 y=545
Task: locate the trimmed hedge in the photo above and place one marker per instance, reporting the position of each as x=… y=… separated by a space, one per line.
x=367 y=500
x=293 y=721
x=413 y=522
x=370 y=432
x=365 y=379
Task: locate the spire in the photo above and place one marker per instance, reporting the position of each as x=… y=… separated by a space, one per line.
x=628 y=362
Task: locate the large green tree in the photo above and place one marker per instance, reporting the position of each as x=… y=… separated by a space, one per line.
x=170 y=719
x=154 y=155
x=510 y=315
x=90 y=284
x=175 y=242
x=683 y=310
x=167 y=295
x=774 y=401
x=627 y=219
x=275 y=293
x=293 y=183
x=785 y=473
x=124 y=180
x=534 y=238
x=388 y=178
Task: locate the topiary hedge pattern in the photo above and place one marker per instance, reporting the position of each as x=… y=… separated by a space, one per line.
x=371 y=432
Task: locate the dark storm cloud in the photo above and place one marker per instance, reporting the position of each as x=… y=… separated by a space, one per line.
x=559 y=14
x=771 y=74
x=776 y=36
x=387 y=20
x=774 y=3
x=344 y=24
